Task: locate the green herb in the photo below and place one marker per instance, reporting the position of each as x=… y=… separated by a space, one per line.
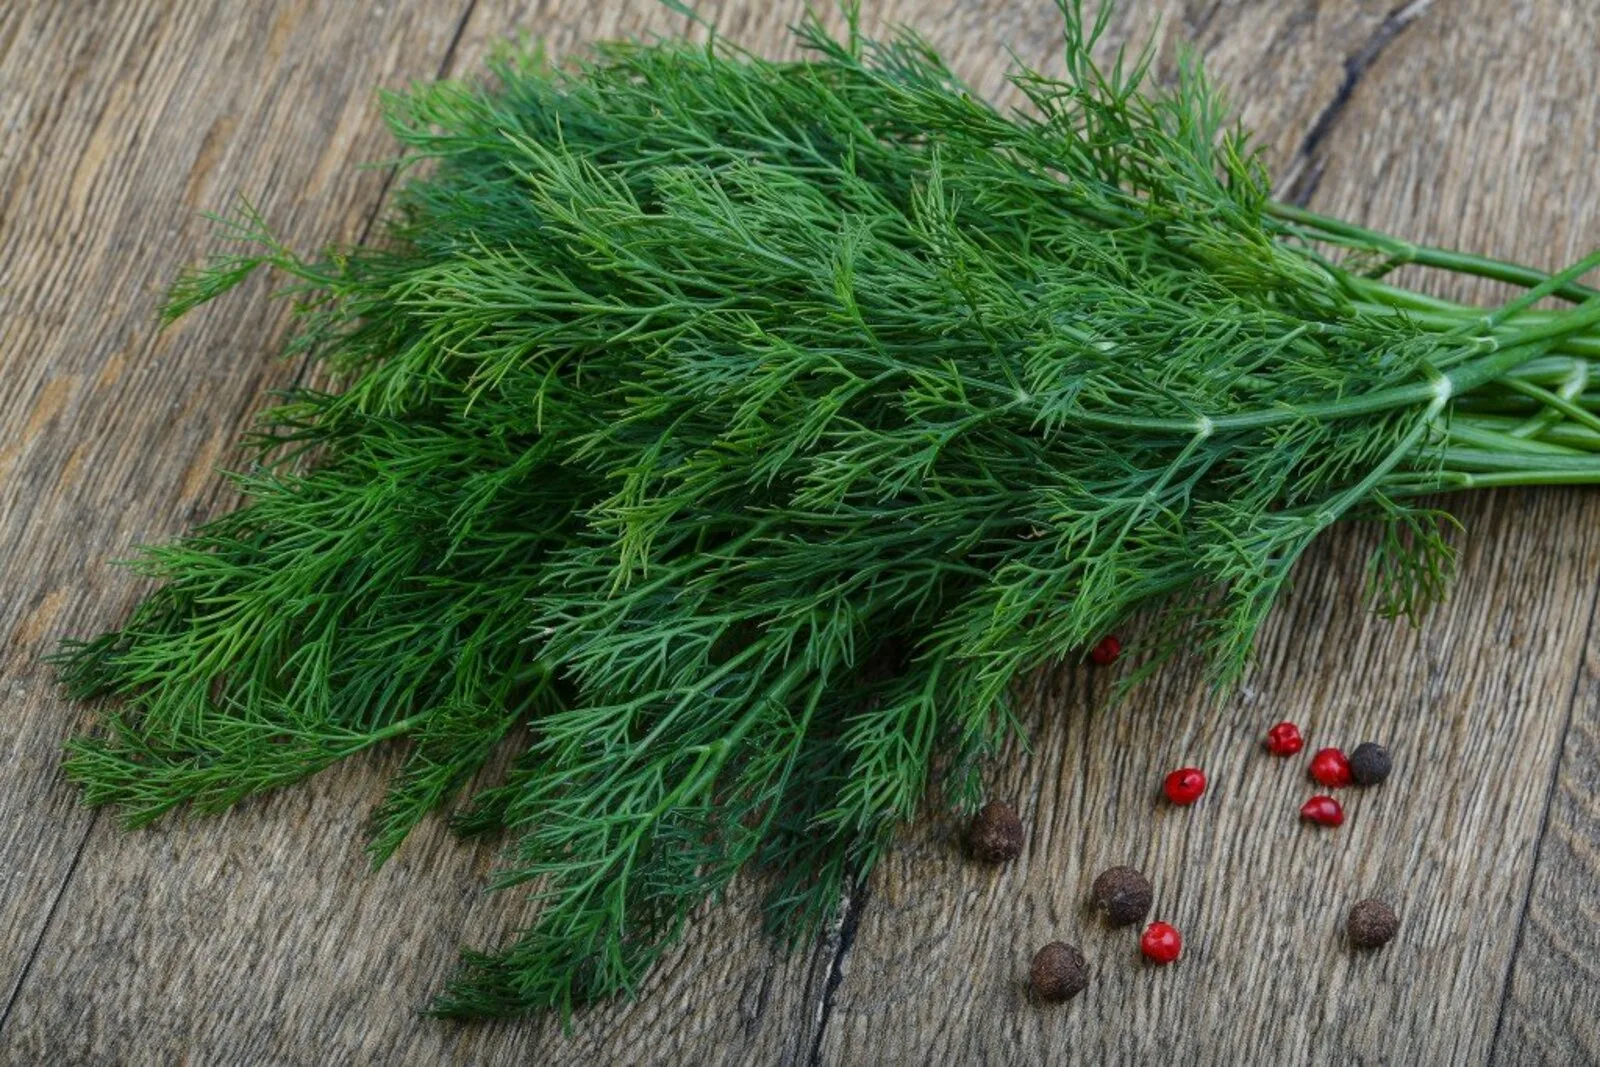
x=743 y=429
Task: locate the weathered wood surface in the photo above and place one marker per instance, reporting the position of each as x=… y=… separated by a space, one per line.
x=260 y=936
x=121 y=123
x=1549 y=1012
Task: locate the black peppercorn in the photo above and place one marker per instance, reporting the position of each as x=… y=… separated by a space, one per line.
x=1058 y=973
x=1123 y=894
x=995 y=835
x=1372 y=924
x=1370 y=763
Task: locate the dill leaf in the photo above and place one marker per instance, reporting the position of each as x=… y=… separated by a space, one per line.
x=739 y=431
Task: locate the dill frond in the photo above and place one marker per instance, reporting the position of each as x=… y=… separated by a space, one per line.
x=743 y=429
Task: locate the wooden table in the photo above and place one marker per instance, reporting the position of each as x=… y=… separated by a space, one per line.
x=261 y=937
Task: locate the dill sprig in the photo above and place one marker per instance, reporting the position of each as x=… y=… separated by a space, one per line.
x=743 y=429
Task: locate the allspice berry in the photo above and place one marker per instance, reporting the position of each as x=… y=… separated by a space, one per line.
x=995 y=835
x=1372 y=924
x=1058 y=973
x=1370 y=763
x=1123 y=894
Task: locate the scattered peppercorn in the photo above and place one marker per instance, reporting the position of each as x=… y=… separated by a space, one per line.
x=995 y=835
x=1161 y=943
x=1123 y=894
x=1184 y=785
x=1284 y=739
x=1330 y=768
x=1324 y=811
x=1370 y=763
x=1372 y=924
x=1105 y=652
x=1058 y=973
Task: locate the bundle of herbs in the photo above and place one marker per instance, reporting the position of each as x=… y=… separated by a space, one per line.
x=740 y=430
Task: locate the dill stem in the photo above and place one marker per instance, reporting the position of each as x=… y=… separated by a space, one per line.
x=1572 y=387
x=1579 y=344
x=1460 y=379
x=1484 y=437
x=1479 y=459
x=1556 y=402
x=1564 y=433
x=1464 y=480
x=1402 y=252
x=1452 y=481
x=395 y=729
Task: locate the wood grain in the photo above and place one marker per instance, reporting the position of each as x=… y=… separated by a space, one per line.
x=122 y=123
x=1549 y=1014
x=261 y=936
x=1513 y=117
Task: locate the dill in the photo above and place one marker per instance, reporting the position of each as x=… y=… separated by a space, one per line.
x=743 y=429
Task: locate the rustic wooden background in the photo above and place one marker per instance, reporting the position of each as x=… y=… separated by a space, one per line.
x=260 y=937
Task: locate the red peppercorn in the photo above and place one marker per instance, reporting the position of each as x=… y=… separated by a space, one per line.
x=1284 y=739
x=1184 y=785
x=1324 y=811
x=1161 y=943
x=1330 y=768
x=1105 y=653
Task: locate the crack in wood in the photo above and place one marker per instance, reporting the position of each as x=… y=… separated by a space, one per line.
x=1308 y=165
x=849 y=925
x=1544 y=832
x=49 y=918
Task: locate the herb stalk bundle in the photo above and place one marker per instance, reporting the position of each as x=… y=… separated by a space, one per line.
x=740 y=430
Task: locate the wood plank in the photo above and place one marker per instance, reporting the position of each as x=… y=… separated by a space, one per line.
x=1442 y=139
x=1514 y=118
x=1552 y=1004
x=1552 y=998
x=123 y=123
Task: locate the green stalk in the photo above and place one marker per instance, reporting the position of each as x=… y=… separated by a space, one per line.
x=1482 y=437
x=1564 y=433
x=1550 y=416
x=1458 y=380
x=1556 y=402
x=1449 y=481
x=1402 y=252
x=1581 y=345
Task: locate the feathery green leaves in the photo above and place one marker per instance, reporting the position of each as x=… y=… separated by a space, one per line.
x=742 y=430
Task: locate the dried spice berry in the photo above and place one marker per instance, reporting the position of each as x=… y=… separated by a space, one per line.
x=1284 y=739
x=995 y=835
x=1105 y=653
x=1058 y=973
x=1372 y=924
x=1330 y=768
x=1370 y=763
x=1324 y=811
x=1123 y=894
x=1161 y=943
x=1184 y=785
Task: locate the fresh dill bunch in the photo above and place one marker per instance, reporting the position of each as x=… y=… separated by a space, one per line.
x=743 y=429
